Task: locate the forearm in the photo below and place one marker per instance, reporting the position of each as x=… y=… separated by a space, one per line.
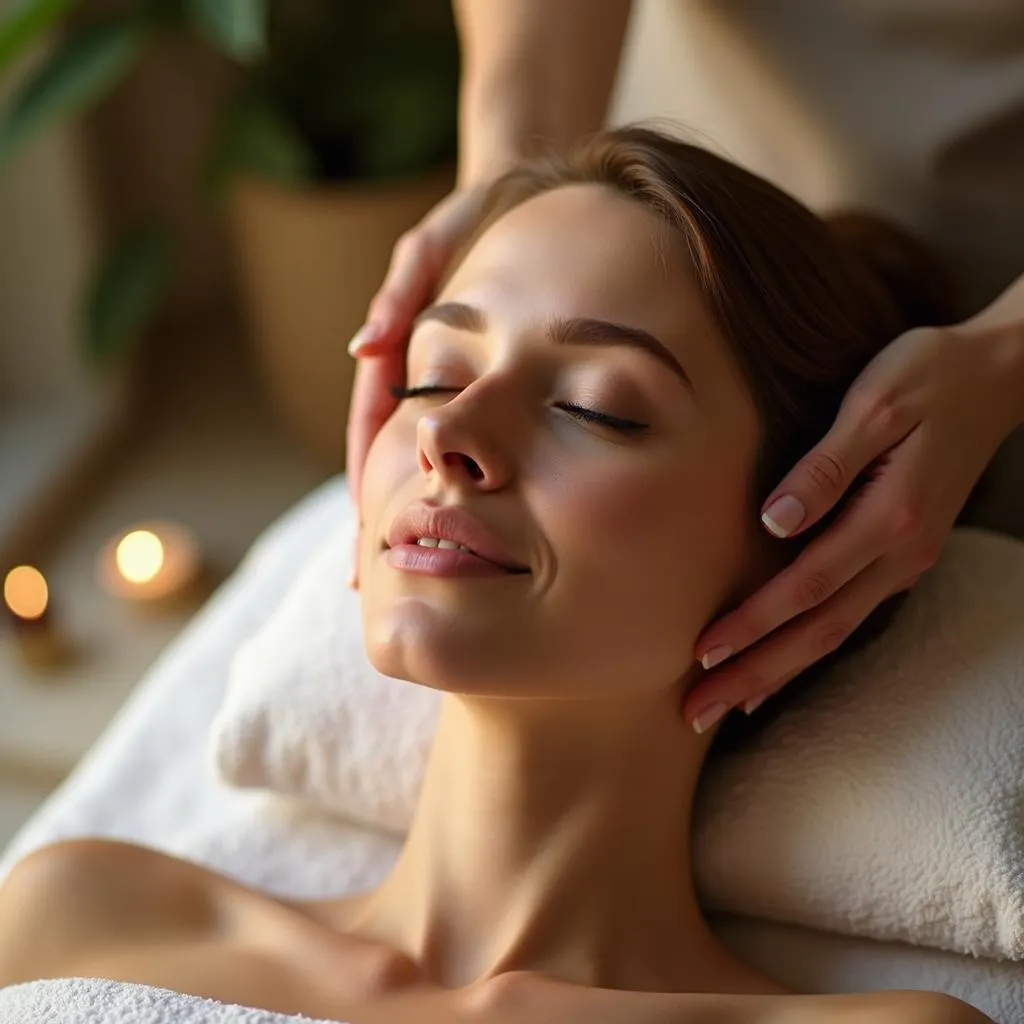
x=535 y=73
x=1003 y=321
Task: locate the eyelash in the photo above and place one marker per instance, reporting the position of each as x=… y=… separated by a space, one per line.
x=577 y=411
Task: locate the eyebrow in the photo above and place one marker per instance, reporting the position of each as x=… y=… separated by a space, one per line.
x=572 y=331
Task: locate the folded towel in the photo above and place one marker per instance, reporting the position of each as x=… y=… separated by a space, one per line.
x=96 y=1001
x=886 y=804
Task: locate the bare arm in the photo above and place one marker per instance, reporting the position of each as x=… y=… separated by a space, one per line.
x=534 y=72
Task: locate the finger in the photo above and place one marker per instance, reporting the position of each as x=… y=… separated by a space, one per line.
x=410 y=279
x=371 y=405
x=766 y=668
x=860 y=534
x=864 y=429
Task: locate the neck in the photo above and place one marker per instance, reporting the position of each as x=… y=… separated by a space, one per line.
x=554 y=836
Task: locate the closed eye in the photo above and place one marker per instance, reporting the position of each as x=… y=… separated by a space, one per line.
x=593 y=416
x=579 y=412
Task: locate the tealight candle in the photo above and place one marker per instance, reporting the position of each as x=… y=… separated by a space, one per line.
x=151 y=564
x=27 y=604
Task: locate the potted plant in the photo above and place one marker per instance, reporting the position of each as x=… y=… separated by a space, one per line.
x=341 y=134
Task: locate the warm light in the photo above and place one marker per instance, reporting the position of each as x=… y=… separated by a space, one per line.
x=154 y=564
x=25 y=592
x=140 y=556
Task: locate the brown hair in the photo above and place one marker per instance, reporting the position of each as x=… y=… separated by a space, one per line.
x=803 y=302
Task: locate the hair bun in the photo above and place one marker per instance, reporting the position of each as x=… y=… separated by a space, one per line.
x=915 y=279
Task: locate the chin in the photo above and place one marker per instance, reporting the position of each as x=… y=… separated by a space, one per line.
x=453 y=645
x=451 y=660
x=414 y=643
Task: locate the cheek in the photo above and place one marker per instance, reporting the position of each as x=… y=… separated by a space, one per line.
x=640 y=511
x=659 y=546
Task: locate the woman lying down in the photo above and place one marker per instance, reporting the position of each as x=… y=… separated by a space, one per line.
x=630 y=327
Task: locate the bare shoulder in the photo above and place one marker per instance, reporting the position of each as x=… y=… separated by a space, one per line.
x=900 y=1006
x=88 y=895
x=104 y=909
x=917 y=1007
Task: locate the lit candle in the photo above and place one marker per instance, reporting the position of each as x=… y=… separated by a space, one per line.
x=151 y=564
x=27 y=604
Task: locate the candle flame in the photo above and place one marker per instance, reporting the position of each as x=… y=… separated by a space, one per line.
x=140 y=556
x=26 y=592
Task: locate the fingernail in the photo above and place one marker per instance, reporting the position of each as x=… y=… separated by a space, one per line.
x=363 y=337
x=783 y=515
x=755 y=702
x=708 y=717
x=715 y=656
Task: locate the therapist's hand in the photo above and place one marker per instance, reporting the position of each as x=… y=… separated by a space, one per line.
x=418 y=260
x=924 y=419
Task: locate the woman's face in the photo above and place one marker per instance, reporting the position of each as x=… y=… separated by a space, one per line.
x=634 y=538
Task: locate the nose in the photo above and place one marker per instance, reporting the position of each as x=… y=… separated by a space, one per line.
x=465 y=441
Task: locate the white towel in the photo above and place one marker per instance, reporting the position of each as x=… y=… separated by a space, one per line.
x=886 y=805
x=95 y=1001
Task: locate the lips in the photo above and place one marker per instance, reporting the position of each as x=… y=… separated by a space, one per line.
x=449 y=522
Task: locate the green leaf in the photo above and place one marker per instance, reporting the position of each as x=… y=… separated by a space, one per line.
x=253 y=138
x=25 y=23
x=125 y=293
x=84 y=68
x=238 y=27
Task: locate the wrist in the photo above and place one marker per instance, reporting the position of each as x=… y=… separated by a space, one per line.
x=500 y=128
x=480 y=167
x=1005 y=342
x=488 y=147
x=492 y=128
x=1002 y=322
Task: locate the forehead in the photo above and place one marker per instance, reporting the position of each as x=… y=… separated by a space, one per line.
x=584 y=250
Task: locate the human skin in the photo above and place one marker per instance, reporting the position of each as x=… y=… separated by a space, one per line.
x=553 y=827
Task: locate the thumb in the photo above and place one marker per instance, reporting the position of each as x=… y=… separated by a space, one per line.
x=821 y=478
